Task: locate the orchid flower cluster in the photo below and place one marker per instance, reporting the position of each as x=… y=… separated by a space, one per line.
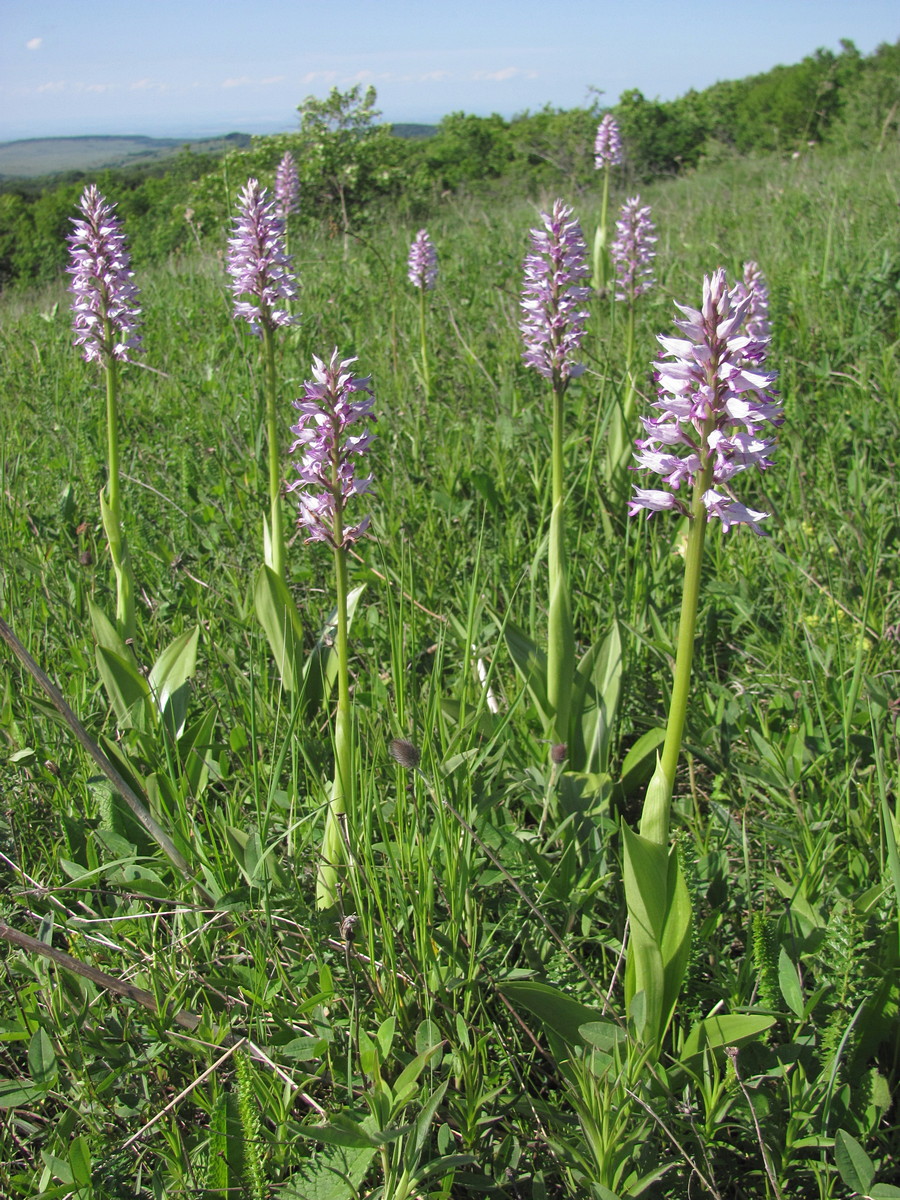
x=632 y=250
x=105 y=309
x=757 y=327
x=423 y=262
x=553 y=320
x=257 y=262
x=608 y=150
x=287 y=187
x=716 y=407
x=327 y=470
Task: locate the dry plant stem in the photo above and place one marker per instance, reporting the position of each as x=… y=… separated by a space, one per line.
x=176 y=1100
x=120 y=987
x=134 y=803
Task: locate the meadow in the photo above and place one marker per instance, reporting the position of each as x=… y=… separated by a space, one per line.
x=456 y=1023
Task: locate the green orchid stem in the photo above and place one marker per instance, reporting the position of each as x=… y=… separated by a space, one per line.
x=560 y=632
x=111 y=503
x=602 y=264
x=276 y=529
x=657 y=808
x=426 y=376
x=333 y=851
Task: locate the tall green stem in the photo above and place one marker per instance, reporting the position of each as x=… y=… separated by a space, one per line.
x=333 y=853
x=276 y=530
x=426 y=377
x=111 y=503
x=658 y=804
x=601 y=261
x=560 y=632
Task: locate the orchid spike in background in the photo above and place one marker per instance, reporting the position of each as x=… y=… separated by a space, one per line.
x=328 y=478
x=608 y=144
x=423 y=262
x=757 y=324
x=287 y=187
x=552 y=294
x=632 y=250
x=105 y=312
x=716 y=409
x=257 y=262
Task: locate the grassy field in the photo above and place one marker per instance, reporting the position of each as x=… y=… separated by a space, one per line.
x=458 y=1027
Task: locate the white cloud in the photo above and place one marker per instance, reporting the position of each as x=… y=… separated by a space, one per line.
x=500 y=76
x=240 y=81
x=58 y=86
x=272 y=79
x=34 y=44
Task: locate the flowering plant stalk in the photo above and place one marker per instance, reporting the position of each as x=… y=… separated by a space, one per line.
x=715 y=407
x=632 y=254
x=260 y=269
x=332 y=433
x=552 y=329
x=423 y=275
x=105 y=323
x=608 y=153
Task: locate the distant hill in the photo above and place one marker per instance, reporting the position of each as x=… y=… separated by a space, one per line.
x=50 y=156
x=414 y=131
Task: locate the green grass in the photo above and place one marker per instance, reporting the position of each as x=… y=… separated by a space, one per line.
x=791 y=760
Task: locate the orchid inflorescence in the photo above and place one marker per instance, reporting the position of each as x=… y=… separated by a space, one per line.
x=257 y=262
x=552 y=294
x=105 y=312
x=423 y=262
x=757 y=324
x=608 y=144
x=716 y=406
x=632 y=250
x=327 y=470
x=287 y=186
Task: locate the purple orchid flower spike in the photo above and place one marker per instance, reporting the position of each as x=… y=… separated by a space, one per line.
x=553 y=320
x=105 y=310
x=334 y=401
x=257 y=262
x=716 y=409
x=423 y=262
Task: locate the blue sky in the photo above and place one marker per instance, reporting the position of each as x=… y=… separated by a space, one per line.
x=186 y=68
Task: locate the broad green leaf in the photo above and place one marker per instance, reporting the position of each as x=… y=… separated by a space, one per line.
x=168 y=680
x=411 y=1072
x=42 y=1066
x=603 y=1034
x=853 y=1164
x=557 y=1011
x=883 y=1191
x=335 y=1172
x=717 y=1032
x=659 y=911
x=105 y=632
x=344 y=1131
x=598 y=681
x=385 y=1037
x=194 y=750
x=127 y=689
x=80 y=1162
x=277 y=613
x=640 y=762
x=14 y=1093
x=426 y=1116
x=531 y=663
x=789 y=983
